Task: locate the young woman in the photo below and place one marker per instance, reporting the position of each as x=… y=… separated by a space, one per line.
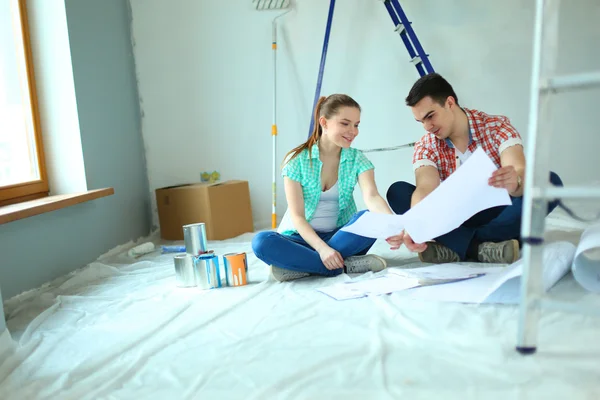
x=319 y=180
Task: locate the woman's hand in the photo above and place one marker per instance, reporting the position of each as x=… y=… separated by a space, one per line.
x=331 y=258
x=396 y=241
x=412 y=246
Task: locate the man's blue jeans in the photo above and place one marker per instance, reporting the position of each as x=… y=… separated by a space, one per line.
x=293 y=253
x=495 y=224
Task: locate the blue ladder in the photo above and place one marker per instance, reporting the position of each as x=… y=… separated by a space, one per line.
x=418 y=56
x=322 y=65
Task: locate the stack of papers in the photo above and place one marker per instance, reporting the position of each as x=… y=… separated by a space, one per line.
x=399 y=279
x=460 y=282
x=500 y=285
x=372 y=287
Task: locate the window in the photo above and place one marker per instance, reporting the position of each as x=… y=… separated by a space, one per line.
x=22 y=169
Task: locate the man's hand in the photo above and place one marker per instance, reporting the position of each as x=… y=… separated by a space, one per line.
x=412 y=246
x=505 y=177
x=331 y=258
x=395 y=241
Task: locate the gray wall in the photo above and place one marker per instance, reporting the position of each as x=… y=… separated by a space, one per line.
x=38 y=249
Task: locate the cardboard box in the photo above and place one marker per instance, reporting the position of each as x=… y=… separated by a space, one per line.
x=224 y=207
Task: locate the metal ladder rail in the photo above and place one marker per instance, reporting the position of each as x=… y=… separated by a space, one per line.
x=537 y=192
x=403 y=26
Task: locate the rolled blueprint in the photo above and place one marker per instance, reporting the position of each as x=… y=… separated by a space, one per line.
x=586 y=264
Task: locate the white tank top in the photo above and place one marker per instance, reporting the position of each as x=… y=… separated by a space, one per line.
x=325 y=217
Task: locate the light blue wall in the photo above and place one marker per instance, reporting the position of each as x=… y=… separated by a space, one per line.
x=38 y=249
x=2 y=321
x=107 y=101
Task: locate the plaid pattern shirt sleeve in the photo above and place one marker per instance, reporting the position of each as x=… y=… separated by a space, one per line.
x=292 y=170
x=425 y=154
x=506 y=135
x=494 y=133
x=362 y=163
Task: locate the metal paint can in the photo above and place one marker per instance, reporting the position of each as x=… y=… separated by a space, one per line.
x=194 y=236
x=184 y=270
x=208 y=271
x=236 y=269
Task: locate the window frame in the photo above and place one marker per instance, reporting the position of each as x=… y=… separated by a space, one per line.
x=36 y=189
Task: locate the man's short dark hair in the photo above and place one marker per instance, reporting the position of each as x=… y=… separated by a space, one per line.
x=432 y=85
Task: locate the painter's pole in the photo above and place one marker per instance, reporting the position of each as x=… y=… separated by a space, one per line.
x=263 y=5
x=274 y=128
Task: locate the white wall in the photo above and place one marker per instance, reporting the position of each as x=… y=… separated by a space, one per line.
x=56 y=96
x=204 y=71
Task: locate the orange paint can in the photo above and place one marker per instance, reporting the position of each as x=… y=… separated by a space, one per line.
x=236 y=269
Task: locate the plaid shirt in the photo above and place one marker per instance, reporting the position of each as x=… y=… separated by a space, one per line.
x=352 y=163
x=493 y=133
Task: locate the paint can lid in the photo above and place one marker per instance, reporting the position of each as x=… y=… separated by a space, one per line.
x=183 y=255
x=206 y=256
x=233 y=254
x=194 y=224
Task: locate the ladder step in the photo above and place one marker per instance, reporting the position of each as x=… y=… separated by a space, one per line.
x=570 y=82
x=400 y=29
x=404 y=27
x=416 y=60
x=566 y=192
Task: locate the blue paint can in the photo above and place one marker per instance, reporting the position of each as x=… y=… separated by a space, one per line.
x=208 y=271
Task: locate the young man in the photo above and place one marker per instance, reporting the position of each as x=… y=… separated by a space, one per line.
x=453 y=134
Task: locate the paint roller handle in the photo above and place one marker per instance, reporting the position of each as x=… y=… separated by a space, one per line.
x=141 y=249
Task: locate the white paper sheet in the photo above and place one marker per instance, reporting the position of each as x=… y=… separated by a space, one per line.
x=370 y=287
x=375 y=225
x=493 y=286
x=459 y=282
x=400 y=279
x=465 y=291
x=465 y=193
x=586 y=265
x=440 y=271
x=341 y=291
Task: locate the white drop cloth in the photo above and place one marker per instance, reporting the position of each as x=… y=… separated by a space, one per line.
x=121 y=329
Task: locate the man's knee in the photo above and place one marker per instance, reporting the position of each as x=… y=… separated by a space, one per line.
x=399 y=196
x=555 y=179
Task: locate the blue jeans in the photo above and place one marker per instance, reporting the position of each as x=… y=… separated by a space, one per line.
x=293 y=253
x=495 y=224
